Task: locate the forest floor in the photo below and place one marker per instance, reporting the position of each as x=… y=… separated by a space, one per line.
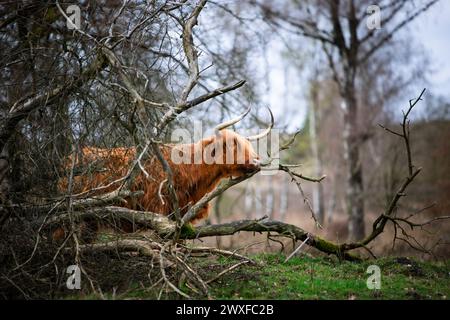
x=307 y=277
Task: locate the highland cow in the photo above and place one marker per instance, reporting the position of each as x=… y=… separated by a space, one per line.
x=225 y=154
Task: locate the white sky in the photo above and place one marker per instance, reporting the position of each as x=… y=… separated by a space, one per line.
x=432 y=30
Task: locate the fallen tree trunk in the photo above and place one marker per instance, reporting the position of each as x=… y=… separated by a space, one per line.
x=165 y=227
x=125 y=245
x=161 y=224
x=60 y=204
x=270 y=226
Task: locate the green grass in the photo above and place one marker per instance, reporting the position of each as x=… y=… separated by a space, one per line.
x=322 y=278
x=306 y=277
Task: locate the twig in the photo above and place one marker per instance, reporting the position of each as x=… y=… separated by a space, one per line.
x=405 y=128
x=160 y=191
x=213 y=250
x=296 y=250
x=163 y=274
x=285 y=168
x=237 y=265
x=195 y=275
x=224 y=185
x=305 y=198
x=180 y=108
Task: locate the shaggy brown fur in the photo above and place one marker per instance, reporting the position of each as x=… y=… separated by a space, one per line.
x=192 y=180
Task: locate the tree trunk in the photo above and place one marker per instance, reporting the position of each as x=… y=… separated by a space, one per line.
x=284 y=198
x=248 y=200
x=354 y=173
x=258 y=200
x=318 y=200
x=270 y=201
x=218 y=217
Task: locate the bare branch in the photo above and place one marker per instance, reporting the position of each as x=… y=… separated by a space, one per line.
x=23 y=107
x=299 y=175
x=190 y=51
x=235 y=266
x=224 y=185
x=174 y=112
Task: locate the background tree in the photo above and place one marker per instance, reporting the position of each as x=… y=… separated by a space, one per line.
x=348 y=43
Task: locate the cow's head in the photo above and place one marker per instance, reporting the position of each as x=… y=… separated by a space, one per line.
x=231 y=151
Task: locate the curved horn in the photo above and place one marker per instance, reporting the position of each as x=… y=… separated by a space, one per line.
x=265 y=132
x=228 y=123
